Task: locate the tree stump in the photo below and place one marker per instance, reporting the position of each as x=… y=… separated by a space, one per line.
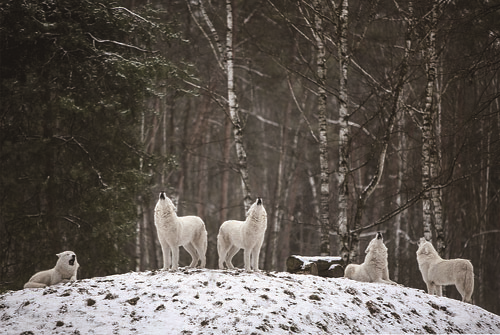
x=324 y=266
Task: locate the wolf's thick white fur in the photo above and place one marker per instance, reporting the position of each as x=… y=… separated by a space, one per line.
x=174 y=231
x=375 y=267
x=64 y=271
x=247 y=235
x=437 y=272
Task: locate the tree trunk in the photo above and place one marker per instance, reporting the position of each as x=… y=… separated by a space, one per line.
x=436 y=194
x=225 y=174
x=234 y=112
x=401 y=219
x=429 y=151
x=323 y=140
x=278 y=194
x=343 y=188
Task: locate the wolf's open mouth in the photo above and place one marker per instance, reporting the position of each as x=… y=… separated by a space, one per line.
x=72 y=260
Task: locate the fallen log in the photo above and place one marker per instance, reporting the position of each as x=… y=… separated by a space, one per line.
x=324 y=266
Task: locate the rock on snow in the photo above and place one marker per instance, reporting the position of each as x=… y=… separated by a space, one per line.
x=203 y=301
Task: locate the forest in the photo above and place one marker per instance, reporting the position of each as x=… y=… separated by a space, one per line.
x=346 y=117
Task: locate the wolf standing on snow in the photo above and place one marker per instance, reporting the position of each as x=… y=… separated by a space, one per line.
x=375 y=267
x=247 y=235
x=174 y=231
x=64 y=271
x=437 y=272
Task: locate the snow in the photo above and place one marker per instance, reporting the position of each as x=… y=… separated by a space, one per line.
x=203 y=301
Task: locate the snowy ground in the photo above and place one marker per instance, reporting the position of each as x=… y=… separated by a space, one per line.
x=202 y=301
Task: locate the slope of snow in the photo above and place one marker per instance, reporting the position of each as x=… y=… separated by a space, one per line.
x=203 y=301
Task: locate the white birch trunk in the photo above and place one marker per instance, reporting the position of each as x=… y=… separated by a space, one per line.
x=278 y=212
x=428 y=138
x=436 y=194
x=402 y=218
x=343 y=188
x=323 y=140
x=234 y=113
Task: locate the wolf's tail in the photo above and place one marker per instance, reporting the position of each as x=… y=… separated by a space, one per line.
x=469 y=283
x=220 y=250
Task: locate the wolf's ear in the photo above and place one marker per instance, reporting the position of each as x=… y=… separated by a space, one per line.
x=59 y=255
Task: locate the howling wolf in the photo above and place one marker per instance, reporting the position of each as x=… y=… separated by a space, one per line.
x=64 y=271
x=247 y=235
x=437 y=272
x=375 y=267
x=174 y=231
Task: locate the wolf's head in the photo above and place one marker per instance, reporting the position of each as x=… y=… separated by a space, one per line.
x=67 y=262
x=257 y=211
x=376 y=244
x=426 y=248
x=164 y=204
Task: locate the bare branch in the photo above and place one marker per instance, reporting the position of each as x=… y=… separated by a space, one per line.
x=119 y=43
x=301 y=110
x=134 y=14
x=406 y=205
x=219 y=58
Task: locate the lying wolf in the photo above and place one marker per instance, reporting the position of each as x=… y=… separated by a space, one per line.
x=64 y=271
x=437 y=272
x=375 y=267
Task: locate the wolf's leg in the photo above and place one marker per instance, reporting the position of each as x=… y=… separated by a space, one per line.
x=175 y=257
x=430 y=288
x=255 y=256
x=165 y=249
x=222 y=250
x=230 y=254
x=246 y=257
x=190 y=248
x=439 y=290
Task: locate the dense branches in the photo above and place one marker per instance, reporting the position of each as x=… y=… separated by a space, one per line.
x=73 y=85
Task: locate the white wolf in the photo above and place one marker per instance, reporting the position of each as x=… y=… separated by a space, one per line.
x=248 y=235
x=174 y=231
x=375 y=267
x=64 y=271
x=437 y=272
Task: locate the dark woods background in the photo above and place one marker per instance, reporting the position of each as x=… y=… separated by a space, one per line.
x=104 y=104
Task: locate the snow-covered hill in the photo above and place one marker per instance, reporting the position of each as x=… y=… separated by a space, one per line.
x=202 y=301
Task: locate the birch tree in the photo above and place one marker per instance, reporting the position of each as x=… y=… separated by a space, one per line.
x=225 y=59
x=432 y=200
x=343 y=169
x=323 y=139
x=234 y=111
